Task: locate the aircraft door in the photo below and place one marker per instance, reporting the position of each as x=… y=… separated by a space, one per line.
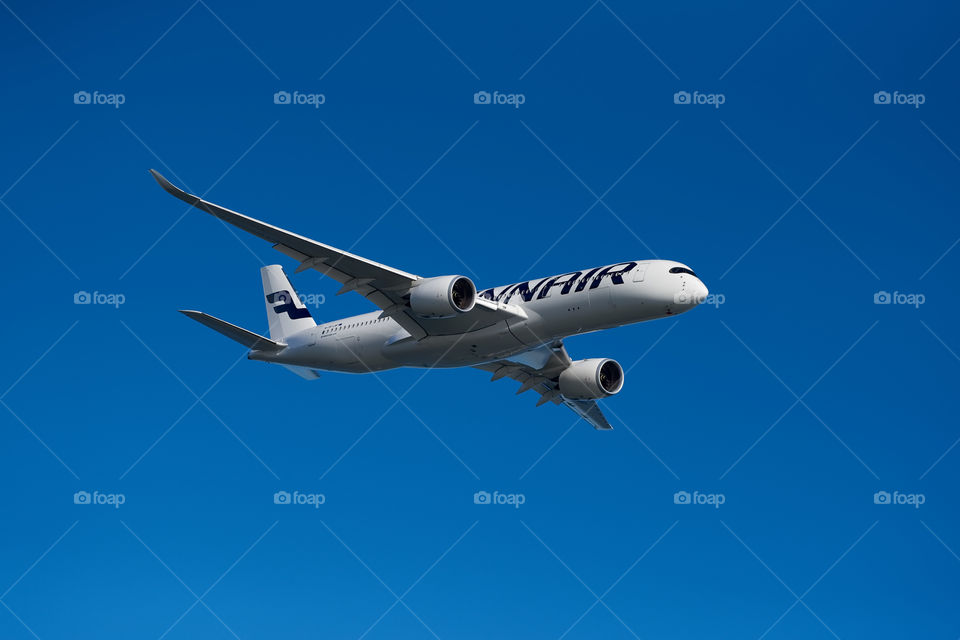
x=640 y=271
x=601 y=296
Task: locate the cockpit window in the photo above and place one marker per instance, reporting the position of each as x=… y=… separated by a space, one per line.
x=682 y=270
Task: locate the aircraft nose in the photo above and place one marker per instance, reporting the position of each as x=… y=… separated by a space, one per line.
x=692 y=293
x=699 y=290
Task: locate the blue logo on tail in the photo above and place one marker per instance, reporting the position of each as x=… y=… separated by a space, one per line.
x=288 y=304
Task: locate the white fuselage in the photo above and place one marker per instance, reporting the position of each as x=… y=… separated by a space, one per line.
x=555 y=307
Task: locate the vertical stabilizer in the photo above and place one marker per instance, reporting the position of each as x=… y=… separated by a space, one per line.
x=286 y=314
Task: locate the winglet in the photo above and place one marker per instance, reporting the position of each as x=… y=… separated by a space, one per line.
x=163 y=182
x=174 y=191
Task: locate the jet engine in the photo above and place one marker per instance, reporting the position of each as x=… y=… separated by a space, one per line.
x=443 y=297
x=591 y=379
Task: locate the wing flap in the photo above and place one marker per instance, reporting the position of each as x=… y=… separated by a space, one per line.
x=364 y=286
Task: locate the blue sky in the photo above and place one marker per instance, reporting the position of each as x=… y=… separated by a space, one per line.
x=793 y=400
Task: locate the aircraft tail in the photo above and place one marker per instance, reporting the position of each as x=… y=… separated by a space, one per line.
x=286 y=314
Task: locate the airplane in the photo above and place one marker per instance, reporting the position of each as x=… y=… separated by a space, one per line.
x=514 y=331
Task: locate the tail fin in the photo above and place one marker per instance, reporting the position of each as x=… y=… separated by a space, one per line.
x=285 y=312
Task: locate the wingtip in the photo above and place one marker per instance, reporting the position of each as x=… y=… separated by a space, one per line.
x=166 y=184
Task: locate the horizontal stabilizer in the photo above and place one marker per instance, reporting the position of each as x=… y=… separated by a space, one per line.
x=238 y=334
x=304 y=372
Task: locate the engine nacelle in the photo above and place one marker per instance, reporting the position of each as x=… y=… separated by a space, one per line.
x=443 y=297
x=591 y=379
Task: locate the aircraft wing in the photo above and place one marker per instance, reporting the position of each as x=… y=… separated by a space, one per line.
x=386 y=287
x=539 y=369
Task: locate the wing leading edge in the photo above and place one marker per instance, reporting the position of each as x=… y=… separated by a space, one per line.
x=386 y=287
